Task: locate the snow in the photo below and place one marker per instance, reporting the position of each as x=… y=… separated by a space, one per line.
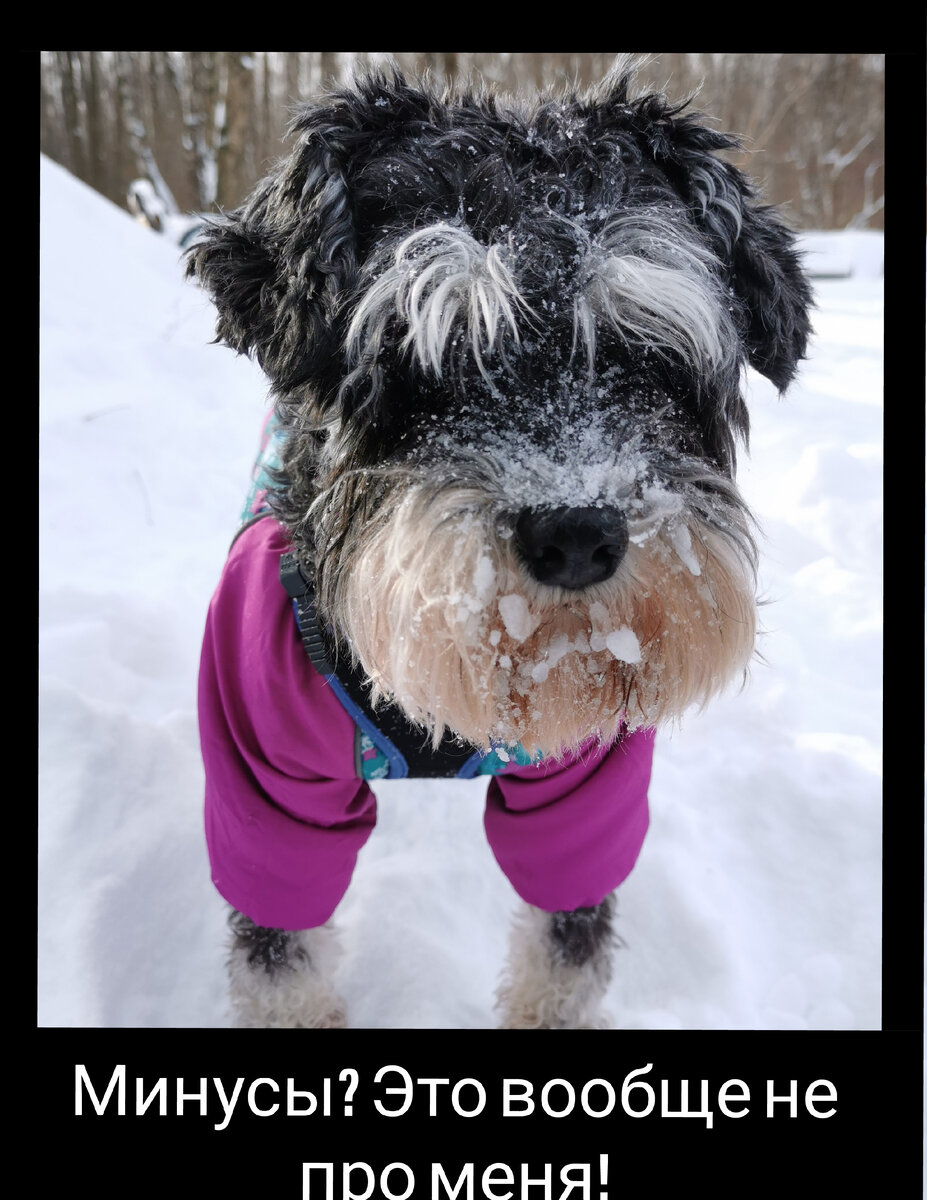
x=623 y=645
x=682 y=544
x=518 y=621
x=756 y=901
x=843 y=253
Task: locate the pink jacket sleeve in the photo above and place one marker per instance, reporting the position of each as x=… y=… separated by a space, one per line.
x=285 y=815
x=568 y=833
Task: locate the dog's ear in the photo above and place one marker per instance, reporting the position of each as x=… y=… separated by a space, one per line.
x=279 y=267
x=758 y=251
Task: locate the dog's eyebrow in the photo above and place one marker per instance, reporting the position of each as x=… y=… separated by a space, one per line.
x=657 y=290
x=635 y=274
x=440 y=280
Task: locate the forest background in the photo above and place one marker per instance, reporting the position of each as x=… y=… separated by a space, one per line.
x=199 y=128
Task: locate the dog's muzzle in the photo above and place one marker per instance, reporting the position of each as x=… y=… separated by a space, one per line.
x=571 y=547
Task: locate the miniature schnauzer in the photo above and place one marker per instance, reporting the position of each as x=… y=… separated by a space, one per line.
x=496 y=529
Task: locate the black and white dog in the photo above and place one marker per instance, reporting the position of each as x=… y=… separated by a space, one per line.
x=506 y=343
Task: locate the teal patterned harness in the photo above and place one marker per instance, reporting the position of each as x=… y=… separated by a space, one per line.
x=375 y=756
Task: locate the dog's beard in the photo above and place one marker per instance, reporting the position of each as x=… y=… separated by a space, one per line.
x=445 y=621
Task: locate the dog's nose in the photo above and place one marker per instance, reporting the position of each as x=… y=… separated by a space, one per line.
x=571 y=547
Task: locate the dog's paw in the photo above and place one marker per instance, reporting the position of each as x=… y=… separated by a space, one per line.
x=292 y=997
x=549 y=1012
x=532 y=1021
x=558 y=970
x=282 y=980
x=288 y=1008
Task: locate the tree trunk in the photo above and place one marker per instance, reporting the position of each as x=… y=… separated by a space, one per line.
x=235 y=160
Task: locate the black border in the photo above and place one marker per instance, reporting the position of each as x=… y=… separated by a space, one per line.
x=878 y=1075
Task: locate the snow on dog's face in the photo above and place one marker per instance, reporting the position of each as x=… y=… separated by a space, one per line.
x=517 y=587
x=508 y=349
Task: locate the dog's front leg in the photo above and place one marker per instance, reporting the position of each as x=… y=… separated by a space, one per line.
x=558 y=969
x=281 y=979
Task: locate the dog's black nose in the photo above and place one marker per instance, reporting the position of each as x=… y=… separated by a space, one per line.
x=571 y=547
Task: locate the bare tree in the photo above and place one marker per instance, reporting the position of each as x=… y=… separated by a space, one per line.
x=235 y=157
x=68 y=64
x=202 y=106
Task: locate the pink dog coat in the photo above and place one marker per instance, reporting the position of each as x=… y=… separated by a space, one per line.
x=288 y=808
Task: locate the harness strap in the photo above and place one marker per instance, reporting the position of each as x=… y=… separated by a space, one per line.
x=408 y=748
x=307 y=616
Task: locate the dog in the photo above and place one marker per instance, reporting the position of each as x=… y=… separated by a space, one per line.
x=500 y=533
